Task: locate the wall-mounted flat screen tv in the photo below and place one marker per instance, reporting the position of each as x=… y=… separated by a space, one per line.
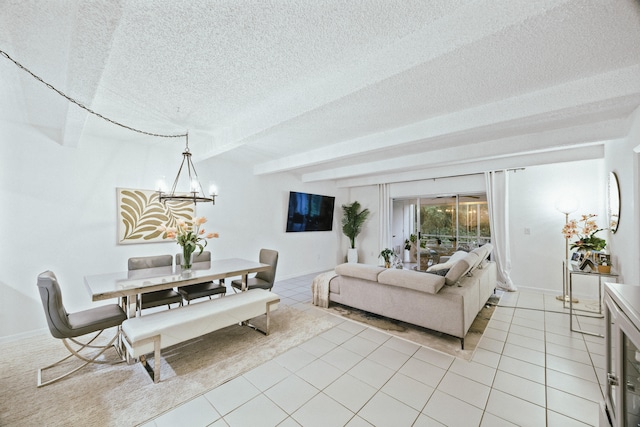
x=310 y=212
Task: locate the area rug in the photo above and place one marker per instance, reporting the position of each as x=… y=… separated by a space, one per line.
x=426 y=337
x=124 y=395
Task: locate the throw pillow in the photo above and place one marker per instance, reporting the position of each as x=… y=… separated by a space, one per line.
x=457 y=256
x=483 y=253
x=460 y=268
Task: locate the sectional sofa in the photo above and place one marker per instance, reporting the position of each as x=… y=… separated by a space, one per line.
x=446 y=299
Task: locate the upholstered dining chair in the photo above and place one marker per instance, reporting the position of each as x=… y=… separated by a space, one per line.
x=200 y=290
x=156 y=298
x=262 y=279
x=68 y=326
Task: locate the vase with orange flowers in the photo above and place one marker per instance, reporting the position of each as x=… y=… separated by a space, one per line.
x=190 y=236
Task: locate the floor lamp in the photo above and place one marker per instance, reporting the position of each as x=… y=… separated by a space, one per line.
x=566 y=205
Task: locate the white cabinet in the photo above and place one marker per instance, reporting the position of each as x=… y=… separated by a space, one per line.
x=622 y=338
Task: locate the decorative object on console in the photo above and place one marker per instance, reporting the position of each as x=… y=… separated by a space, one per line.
x=140 y=212
x=588 y=266
x=190 y=237
x=387 y=254
x=196 y=193
x=352 y=221
x=604 y=263
x=587 y=239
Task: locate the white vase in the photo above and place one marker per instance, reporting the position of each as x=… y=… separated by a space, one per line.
x=352 y=255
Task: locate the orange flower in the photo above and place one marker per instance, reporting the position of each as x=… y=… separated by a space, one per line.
x=188 y=234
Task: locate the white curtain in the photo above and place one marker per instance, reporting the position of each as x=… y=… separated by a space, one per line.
x=498 y=203
x=384 y=217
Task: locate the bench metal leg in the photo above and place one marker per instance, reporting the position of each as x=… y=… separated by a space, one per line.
x=268 y=314
x=153 y=371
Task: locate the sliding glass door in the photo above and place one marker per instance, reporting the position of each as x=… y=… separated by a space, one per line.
x=441 y=225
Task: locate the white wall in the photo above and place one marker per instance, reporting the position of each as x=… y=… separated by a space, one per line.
x=625 y=243
x=536 y=258
x=59 y=213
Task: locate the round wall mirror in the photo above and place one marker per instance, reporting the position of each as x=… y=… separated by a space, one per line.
x=614 y=202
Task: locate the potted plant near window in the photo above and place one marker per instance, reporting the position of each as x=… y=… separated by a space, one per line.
x=387 y=254
x=353 y=219
x=410 y=245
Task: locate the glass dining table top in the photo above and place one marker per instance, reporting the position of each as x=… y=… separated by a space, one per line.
x=128 y=283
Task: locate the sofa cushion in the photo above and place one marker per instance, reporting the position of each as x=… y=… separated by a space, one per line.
x=460 y=268
x=361 y=271
x=419 y=281
x=458 y=255
x=483 y=253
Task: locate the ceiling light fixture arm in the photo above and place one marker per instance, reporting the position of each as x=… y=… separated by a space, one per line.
x=196 y=193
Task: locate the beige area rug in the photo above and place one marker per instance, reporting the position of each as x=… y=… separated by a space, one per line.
x=124 y=395
x=426 y=337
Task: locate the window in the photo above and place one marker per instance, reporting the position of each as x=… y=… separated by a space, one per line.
x=445 y=223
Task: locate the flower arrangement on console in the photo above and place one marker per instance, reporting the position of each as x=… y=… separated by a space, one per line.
x=586 y=229
x=190 y=237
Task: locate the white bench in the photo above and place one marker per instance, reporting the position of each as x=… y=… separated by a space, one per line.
x=150 y=333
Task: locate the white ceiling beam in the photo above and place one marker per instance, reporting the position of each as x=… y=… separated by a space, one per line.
x=512 y=162
x=462 y=27
x=594 y=95
x=551 y=140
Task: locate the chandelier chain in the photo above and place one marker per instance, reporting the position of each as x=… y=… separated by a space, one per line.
x=84 y=107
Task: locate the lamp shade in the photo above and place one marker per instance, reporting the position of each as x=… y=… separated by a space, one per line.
x=567 y=205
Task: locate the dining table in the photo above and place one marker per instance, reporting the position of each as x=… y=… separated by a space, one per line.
x=126 y=285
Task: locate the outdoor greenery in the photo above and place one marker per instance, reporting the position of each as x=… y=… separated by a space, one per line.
x=439 y=222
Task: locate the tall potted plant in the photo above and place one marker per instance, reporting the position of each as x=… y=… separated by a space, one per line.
x=353 y=219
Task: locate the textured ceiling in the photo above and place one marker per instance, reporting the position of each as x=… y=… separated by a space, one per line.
x=331 y=89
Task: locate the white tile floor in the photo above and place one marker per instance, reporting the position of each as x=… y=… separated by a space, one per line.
x=528 y=370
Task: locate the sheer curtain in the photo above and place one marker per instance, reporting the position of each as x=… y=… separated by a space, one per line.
x=498 y=203
x=384 y=217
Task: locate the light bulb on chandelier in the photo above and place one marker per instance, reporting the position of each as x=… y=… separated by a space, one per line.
x=195 y=193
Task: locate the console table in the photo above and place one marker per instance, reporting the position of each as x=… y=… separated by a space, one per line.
x=573 y=270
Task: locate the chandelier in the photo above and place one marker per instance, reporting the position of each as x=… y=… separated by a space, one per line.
x=196 y=193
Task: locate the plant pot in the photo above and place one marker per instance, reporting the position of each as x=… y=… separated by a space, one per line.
x=387 y=264
x=605 y=269
x=352 y=255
